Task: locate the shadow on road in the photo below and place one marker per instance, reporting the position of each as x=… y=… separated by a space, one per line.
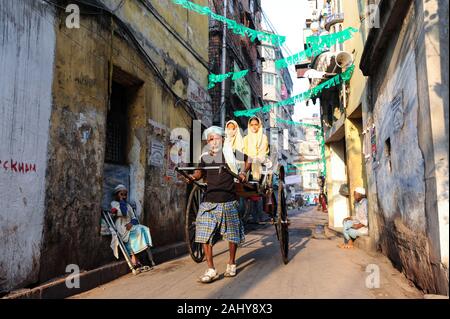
x=265 y=259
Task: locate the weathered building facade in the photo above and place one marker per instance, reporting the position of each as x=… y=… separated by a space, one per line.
x=406 y=118
x=241 y=54
x=325 y=18
x=277 y=86
x=387 y=129
x=342 y=109
x=91 y=107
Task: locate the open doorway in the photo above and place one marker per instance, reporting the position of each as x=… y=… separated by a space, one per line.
x=116 y=168
x=337 y=177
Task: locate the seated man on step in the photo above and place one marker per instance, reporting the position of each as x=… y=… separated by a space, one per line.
x=356 y=226
x=136 y=237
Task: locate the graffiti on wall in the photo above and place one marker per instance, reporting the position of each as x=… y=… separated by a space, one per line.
x=17 y=167
x=27 y=34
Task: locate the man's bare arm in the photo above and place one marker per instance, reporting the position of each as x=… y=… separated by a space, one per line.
x=198 y=174
x=357 y=226
x=248 y=166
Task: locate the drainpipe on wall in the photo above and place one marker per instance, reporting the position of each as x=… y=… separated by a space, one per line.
x=224 y=66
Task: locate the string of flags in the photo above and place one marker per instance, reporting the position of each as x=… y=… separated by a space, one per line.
x=317 y=45
x=216 y=78
x=336 y=80
x=237 y=28
x=328 y=40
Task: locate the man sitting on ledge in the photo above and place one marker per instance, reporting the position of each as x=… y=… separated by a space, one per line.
x=356 y=226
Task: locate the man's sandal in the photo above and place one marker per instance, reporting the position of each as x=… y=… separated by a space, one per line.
x=209 y=276
x=231 y=271
x=145 y=268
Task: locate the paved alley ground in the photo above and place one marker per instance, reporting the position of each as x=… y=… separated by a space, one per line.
x=317 y=269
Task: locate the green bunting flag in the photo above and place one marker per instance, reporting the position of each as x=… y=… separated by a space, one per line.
x=233 y=25
x=317 y=44
x=216 y=78
x=336 y=80
x=297 y=58
x=327 y=41
x=299 y=123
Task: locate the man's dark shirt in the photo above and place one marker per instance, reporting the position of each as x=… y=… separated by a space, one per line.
x=221 y=187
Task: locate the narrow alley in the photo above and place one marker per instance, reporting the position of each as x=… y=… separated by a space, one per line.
x=137 y=133
x=316 y=269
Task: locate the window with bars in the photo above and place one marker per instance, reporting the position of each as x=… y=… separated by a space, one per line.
x=269 y=79
x=116 y=126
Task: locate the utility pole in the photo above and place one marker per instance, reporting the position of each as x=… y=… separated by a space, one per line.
x=224 y=66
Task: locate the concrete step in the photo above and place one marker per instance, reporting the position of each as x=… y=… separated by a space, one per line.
x=364 y=242
x=57 y=288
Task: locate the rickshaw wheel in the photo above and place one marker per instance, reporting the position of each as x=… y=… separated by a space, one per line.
x=282 y=220
x=195 y=249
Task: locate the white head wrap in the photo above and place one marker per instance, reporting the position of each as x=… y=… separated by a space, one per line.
x=360 y=190
x=213 y=130
x=119 y=188
x=256 y=146
x=236 y=142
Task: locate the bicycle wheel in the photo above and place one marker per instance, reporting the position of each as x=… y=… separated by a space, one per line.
x=195 y=249
x=282 y=218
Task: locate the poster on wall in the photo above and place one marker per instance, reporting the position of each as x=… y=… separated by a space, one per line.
x=397 y=110
x=178 y=156
x=373 y=143
x=157 y=154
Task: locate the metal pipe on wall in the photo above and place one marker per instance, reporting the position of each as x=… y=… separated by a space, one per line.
x=224 y=67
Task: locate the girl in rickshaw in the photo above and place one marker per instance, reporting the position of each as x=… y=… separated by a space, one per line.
x=234 y=147
x=256 y=146
x=233 y=136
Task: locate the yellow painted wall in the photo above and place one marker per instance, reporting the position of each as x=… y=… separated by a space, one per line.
x=354 y=46
x=353 y=129
x=354 y=157
x=78 y=126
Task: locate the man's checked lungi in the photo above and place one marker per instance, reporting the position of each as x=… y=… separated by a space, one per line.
x=223 y=217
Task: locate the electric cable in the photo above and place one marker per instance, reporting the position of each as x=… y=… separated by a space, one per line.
x=132 y=37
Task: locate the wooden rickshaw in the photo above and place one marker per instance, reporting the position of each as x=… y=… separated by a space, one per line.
x=271 y=189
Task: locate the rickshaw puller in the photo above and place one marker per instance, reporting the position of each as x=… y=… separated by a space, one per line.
x=219 y=210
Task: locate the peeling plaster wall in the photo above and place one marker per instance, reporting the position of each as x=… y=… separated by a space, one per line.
x=166 y=196
x=76 y=151
x=27 y=44
x=78 y=129
x=53 y=116
x=403 y=177
x=185 y=72
x=406 y=215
